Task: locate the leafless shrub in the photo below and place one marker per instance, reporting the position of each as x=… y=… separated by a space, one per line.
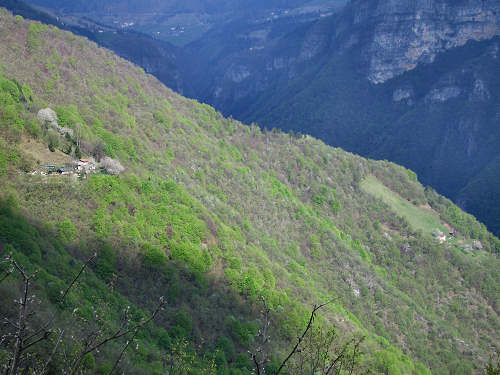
x=25 y=336
x=86 y=147
x=98 y=150
x=317 y=351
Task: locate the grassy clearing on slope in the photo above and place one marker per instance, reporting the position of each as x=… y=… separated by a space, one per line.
x=40 y=152
x=419 y=218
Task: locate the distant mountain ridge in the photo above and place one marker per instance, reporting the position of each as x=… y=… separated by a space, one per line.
x=391 y=37
x=180 y=22
x=167 y=6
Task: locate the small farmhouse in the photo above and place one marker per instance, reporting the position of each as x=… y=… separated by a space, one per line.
x=86 y=165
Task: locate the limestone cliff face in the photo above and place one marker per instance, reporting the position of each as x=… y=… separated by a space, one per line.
x=388 y=37
x=400 y=34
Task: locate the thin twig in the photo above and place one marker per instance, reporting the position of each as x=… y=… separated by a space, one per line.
x=257 y=364
x=77 y=277
x=7 y=274
x=118 y=334
x=356 y=349
x=49 y=322
x=23 y=340
x=299 y=340
x=264 y=339
x=21 y=321
x=123 y=351
x=44 y=337
x=54 y=351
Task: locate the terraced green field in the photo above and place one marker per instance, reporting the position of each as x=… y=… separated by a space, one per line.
x=420 y=218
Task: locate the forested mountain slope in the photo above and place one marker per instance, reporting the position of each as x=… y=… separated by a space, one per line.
x=213 y=215
x=409 y=81
x=282 y=65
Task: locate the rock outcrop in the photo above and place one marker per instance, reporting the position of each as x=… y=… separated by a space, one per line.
x=403 y=33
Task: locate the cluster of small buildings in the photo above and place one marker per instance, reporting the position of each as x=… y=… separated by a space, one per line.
x=82 y=166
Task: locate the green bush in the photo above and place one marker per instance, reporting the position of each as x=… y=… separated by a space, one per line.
x=88 y=362
x=11 y=121
x=242 y=332
x=182 y=325
x=11 y=88
x=33 y=128
x=67 y=230
x=163 y=338
x=53 y=140
x=226 y=346
x=105 y=262
x=335 y=205
x=154 y=256
x=68 y=116
x=35 y=39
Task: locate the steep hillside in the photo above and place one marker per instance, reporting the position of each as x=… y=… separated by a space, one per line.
x=155 y=56
x=439 y=120
x=292 y=71
x=411 y=82
x=214 y=214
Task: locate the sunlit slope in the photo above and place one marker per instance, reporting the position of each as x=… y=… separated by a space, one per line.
x=242 y=212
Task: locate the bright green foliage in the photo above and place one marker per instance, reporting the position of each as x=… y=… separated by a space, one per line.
x=33 y=128
x=11 y=110
x=412 y=176
x=68 y=116
x=11 y=119
x=35 y=38
x=278 y=189
x=11 y=88
x=214 y=215
x=88 y=362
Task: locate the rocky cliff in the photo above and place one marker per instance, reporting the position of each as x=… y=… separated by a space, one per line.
x=405 y=33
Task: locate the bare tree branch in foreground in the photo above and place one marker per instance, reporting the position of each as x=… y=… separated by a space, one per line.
x=25 y=336
x=93 y=342
x=301 y=338
x=316 y=352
